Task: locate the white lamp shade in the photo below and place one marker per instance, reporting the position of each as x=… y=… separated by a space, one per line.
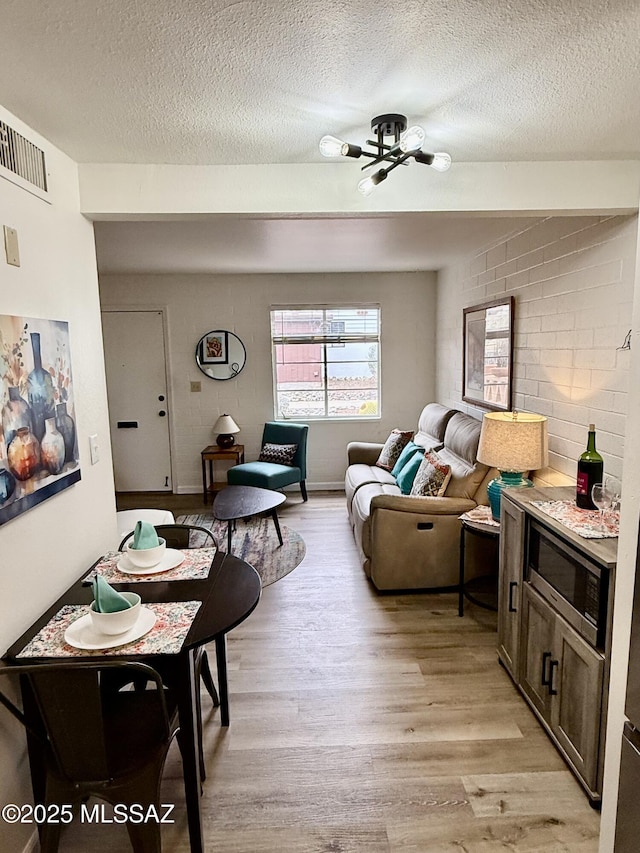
x=225 y=425
x=514 y=441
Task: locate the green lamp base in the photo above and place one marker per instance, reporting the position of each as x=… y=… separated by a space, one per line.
x=506 y=480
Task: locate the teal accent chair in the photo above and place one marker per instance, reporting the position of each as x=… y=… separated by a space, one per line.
x=268 y=475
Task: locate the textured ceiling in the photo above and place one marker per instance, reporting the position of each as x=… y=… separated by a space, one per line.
x=253 y=81
x=260 y=81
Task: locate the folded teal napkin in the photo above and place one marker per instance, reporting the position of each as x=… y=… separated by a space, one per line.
x=107 y=599
x=145 y=536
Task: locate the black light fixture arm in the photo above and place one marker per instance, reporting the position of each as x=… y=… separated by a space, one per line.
x=399 y=161
x=406 y=144
x=421 y=157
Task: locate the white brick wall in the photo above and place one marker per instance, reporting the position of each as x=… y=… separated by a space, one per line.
x=572 y=279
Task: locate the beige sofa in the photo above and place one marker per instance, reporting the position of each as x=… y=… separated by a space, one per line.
x=409 y=542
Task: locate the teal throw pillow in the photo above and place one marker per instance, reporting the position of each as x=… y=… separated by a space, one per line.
x=406 y=477
x=404 y=457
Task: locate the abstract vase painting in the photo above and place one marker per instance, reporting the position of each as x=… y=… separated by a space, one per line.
x=38 y=438
x=40 y=391
x=52 y=448
x=15 y=414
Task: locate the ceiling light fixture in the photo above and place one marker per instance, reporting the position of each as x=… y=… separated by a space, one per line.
x=407 y=143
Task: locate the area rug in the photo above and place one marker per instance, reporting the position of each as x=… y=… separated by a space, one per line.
x=255 y=541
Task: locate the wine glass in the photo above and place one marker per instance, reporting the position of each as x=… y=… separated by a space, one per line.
x=602 y=499
x=613 y=486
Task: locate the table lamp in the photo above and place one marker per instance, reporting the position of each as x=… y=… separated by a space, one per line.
x=514 y=443
x=225 y=426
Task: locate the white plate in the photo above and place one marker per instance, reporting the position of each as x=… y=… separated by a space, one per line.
x=170 y=560
x=82 y=635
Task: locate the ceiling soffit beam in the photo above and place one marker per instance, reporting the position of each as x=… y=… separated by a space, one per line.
x=125 y=191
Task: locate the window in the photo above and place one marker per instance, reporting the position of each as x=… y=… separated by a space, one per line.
x=326 y=362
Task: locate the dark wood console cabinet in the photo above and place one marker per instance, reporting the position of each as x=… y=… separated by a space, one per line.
x=563 y=678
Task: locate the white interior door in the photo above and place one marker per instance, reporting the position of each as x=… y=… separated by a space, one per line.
x=138 y=408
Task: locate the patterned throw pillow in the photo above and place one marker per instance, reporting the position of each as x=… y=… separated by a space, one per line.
x=393 y=447
x=280 y=454
x=432 y=478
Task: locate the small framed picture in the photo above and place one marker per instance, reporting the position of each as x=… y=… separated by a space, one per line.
x=214 y=348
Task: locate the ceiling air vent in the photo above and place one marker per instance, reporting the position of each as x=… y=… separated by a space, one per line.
x=22 y=157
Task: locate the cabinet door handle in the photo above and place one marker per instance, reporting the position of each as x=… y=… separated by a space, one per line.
x=512 y=586
x=552 y=667
x=546 y=656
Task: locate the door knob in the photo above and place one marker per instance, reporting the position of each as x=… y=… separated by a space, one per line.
x=162 y=413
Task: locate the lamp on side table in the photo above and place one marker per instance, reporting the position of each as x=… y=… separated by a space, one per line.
x=514 y=443
x=225 y=426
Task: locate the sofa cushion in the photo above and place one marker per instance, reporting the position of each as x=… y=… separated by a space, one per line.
x=432 y=425
x=462 y=437
x=393 y=447
x=408 y=473
x=459 y=451
x=279 y=454
x=432 y=477
x=358 y=475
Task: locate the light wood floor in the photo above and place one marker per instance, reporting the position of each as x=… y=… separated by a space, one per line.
x=363 y=723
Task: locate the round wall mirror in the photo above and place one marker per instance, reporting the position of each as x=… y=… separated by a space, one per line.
x=220 y=354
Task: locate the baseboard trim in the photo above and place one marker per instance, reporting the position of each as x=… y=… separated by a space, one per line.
x=311 y=487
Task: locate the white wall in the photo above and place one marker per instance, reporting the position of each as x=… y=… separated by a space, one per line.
x=46 y=548
x=573 y=282
x=625 y=581
x=196 y=304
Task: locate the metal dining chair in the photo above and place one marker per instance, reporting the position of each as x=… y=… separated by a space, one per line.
x=86 y=739
x=184 y=536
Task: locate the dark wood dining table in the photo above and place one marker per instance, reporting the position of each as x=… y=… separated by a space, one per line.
x=229 y=595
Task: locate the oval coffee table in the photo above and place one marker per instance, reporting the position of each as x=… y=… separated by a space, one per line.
x=234 y=502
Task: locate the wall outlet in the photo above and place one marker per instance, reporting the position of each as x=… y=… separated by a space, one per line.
x=94 y=448
x=196 y=386
x=11 y=246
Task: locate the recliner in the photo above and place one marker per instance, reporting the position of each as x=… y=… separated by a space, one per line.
x=270 y=475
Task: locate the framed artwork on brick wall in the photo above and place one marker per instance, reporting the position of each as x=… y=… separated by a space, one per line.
x=487 y=354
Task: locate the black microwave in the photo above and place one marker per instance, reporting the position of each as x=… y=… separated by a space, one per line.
x=575 y=585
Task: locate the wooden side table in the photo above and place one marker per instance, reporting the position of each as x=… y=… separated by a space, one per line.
x=483 y=590
x=211 y=454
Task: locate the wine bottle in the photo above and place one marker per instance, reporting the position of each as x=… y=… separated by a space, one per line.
x=590 y=471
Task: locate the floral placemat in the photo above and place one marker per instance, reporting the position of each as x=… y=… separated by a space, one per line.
x=584 y=522
x=173 y=620
x=195 y=566
x=481 y=515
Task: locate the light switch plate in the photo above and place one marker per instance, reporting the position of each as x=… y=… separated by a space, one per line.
x=94 y=448
x=11 y=246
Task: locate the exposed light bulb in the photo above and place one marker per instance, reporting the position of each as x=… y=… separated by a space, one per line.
x=367 y=185
x=412 y=139
x=331 y=147
x=441 y=161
